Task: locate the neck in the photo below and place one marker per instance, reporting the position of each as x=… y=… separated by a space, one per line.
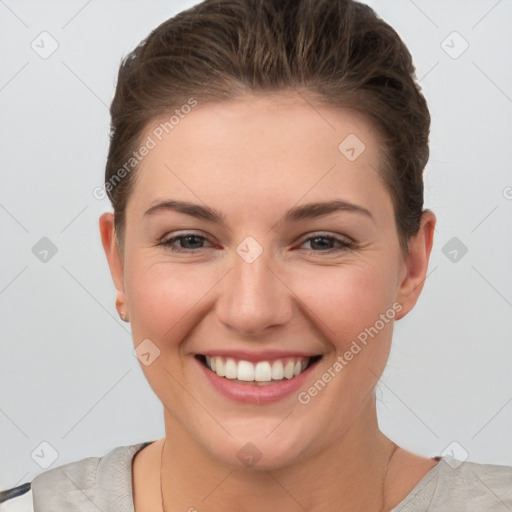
x=347 y=476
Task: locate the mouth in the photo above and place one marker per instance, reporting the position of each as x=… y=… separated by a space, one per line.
x=257 y=373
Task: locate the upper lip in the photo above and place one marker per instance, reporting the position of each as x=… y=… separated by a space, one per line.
x=262 y=355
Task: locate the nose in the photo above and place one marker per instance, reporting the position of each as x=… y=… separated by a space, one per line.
x=254 y=298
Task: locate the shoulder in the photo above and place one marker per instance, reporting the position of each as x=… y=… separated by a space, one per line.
x=456 y=485
x=482 y=486
x=84 y=485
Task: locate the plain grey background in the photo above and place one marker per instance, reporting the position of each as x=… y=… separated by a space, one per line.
x=70 y=385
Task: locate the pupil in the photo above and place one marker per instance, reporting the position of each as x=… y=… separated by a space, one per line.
x=320 y=238
x=187 y=238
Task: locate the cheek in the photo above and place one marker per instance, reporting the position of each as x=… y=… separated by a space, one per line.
x=341 y=300
x=346 y=300
x=166 y=303
x=165 y=299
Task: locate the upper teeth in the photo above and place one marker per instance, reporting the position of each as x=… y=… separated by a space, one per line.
x=263 y=371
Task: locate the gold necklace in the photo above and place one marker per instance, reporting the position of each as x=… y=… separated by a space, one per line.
x=383 y=501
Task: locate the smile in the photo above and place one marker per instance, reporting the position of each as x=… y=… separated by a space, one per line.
x=257 y=372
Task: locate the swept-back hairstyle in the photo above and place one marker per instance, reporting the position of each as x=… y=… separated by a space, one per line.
x=339 y=50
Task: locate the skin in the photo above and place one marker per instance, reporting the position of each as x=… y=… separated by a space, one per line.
x=252 y=159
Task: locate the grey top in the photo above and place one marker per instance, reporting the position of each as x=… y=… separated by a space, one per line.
x=105 y=483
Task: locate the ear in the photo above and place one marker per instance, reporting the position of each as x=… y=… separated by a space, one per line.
x=416 y=263
x=115 y=262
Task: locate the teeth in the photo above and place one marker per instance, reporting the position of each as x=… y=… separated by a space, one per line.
x=230 y=369
x=245 y=371
x=263 y=371
x=219 y=367
x=288 y=369
x=278 y=370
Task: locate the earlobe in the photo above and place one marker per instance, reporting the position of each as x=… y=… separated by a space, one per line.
x=108 y=240
x=416 y=263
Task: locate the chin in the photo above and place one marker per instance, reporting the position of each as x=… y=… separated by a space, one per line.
x=259 y=452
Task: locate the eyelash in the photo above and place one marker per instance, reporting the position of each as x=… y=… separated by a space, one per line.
x=344 y=245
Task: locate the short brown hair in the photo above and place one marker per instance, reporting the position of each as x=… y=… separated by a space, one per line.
x=340 y=50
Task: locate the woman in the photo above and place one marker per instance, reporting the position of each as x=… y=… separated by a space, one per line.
x=265 y=171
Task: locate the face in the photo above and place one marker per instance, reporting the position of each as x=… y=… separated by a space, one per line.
x=239 y=270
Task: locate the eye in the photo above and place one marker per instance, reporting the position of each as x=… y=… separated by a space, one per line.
x=190 y=240
x=325 y=242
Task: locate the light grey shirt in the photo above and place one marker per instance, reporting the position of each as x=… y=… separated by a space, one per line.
x=105 y=483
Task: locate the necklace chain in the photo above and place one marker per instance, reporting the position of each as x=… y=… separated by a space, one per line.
x=383 y=501
x=161 y=465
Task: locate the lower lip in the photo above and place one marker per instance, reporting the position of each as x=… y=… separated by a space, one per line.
x=253 y=393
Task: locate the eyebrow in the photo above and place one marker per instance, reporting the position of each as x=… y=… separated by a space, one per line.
x=306 y=211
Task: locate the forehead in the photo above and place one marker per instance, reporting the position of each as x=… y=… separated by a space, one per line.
x=260 y=144
x=274 y=119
